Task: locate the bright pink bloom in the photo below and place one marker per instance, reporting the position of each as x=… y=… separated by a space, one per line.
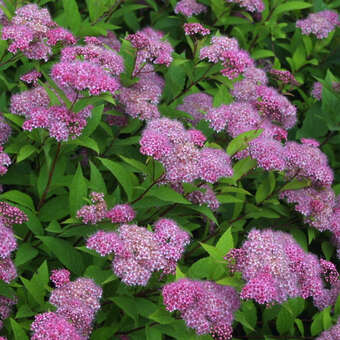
x=204 y=305
x=195 y=29
x=320 y=23
x=189 y=8
x=121 y=213
x=31 y=77
x=95 y=212
x=206 y=196
x=60 y=277
x=197 y=105
x=250 y=5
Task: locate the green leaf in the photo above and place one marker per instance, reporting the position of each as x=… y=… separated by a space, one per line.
x=18 y=197
x=65 y=253
x=96 y=9
x=167 y=194
x=233 y=281
x=259 y=54
x=119 y=172
x=243 y=320
x=290 y=6
x=126 y=303
x=25 y=152
x=285 y=321
x=300 y=326
x=242 y=167
x=241 y=141
x=327 y=249
x=25 y=253
x=161 y=316
x=54 y=209
x=229 y=199
x=296 y=184
x=225 y=242
x=179 y=273
x=18 y=331
x=86 y=142
x=78 y=190
x=136 y=164
x=72 y=16
x=265 y=188
x=205 y=211
x=97 y=182
x=93 y=121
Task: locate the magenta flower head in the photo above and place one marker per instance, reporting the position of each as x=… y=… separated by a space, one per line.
x=250 y=5
x=332 y=333
x=60 y=277
x=94 y=212
x=31 y=77
x=10 y=215
x=121 y=213
x=204 y=306
x=52 y=326
x=189 y=8
x=5 y=161
x=197 y=105
x=320 y=23
x=206 y=196
x=276 y=268
x=195 y=29
x=284 y=76
x=307 y=161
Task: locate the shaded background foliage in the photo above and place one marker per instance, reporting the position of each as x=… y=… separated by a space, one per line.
x=107 y=159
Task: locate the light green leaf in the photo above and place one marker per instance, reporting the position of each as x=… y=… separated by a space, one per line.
x=18 y=197
x=25 y=152
x=78 y=190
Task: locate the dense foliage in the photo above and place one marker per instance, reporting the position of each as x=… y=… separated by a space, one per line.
x=169 y=169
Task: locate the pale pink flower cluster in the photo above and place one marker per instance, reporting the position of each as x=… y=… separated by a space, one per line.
x=189 y=8
x=197 y=105
x=320 y=23
x=9 y=215
x=226 y=50
x=204 y=196
x=60 y=277
x=205 y=306
x=77 y=302
x=31 y=77
x=110 y=40
x=6 y=305
x=167 y=141
x=33 y=32
x=250 y=5
x=141 y=99
x=61 y=122
x=97 y=211
x=139 y=252
x=284 y=76
x=150 y=49
x=195 y=29
x=317 y=89
x=332 y=333
x=276 y=268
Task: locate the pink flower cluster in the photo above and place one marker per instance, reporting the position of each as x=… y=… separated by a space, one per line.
x=139 y=252
x=9 y=215
x=195 y=29
x=6 y=305
x=206 y=196
x=317 y=89
x=150 y=49
x=276 y=268
x=60 y=277
x=61 y=123
x=331 y=334
x=320 y=23
x=167 y=141
x=33 y=32
x=250 y=5
x=31 y=77
x=5 y=132
x=189 y=8
x=98 y=211
x=226 y=50
x=284 y=76
x=205 y=306
x=197 y=105
x=77 y=303
x=141 y=99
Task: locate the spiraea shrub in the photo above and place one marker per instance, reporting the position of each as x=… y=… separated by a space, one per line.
x=169 y=169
